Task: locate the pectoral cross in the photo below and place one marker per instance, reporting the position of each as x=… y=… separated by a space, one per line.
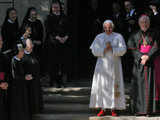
x=144 y=41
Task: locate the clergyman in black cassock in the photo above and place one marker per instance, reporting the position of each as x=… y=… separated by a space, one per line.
x=144 y=49
x=20 y=108
x=4 y=72
x=10 y=29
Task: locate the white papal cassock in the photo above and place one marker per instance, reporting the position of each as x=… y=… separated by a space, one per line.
x=107 y=87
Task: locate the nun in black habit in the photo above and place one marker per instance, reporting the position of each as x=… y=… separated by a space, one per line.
x=10 y=28
x=37 y=34
x=58 y=42
x=32 y=68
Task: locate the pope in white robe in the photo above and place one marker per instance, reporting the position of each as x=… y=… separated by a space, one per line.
x=108 y=87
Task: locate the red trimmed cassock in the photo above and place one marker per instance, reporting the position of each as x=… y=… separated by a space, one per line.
x=143 y=80
x=4 y=71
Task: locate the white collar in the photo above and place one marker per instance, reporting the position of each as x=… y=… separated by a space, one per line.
x=155 y=13
x=26 y=52
x=15 y=57
x=22 y=38
x=10 y=21
x=31 y=20
x=57 y=13
x=109 y=34
x=131 y=12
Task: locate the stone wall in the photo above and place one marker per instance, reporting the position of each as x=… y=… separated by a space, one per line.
x=4 y=4
x=22 y=6
x=41 y=5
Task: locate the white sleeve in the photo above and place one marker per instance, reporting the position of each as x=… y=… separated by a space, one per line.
x=120 y=49
x=97 y=48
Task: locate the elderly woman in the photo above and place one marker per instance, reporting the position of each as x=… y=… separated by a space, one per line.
x=107 y=87
x=143 y=46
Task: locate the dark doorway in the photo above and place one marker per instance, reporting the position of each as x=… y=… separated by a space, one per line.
x=83 y=17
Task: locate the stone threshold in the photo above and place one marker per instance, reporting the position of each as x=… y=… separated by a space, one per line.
x=125 y=118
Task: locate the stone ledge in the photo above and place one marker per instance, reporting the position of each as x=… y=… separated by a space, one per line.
x=58 y=98
x=124 y=118
x=68 y=91
x=61 y=116
x=65 y=108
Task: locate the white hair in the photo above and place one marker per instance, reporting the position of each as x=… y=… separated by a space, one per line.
x=108 y=21
x=144 y=17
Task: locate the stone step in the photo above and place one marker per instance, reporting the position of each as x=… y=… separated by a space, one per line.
x=70 y=83
x=78 y=84
x=61 y=117
x=68 y=91
x=69 y=95
x=124 y=118
x=65 y=108
x=76 y=90
x=58 y=98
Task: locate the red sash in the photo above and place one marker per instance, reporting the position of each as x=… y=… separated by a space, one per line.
x=145 y=49
x=2 y=75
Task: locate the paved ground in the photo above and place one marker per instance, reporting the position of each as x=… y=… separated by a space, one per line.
x=124 y=118
x=69 y=103
x=72 y=103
